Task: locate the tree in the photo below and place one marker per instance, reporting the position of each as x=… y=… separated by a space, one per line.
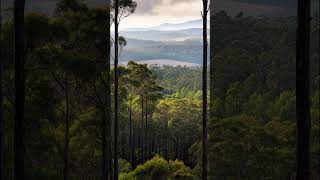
x=19 y=88
x=116 y=80
x=1 y=104
x=204 y=90
x=303 y=90
x=132 y=86
x=106 y=125
x=122 y=9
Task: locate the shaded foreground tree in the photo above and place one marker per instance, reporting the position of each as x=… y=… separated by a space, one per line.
x=122 y=9
x=106 y=121
x=19 y=49
x=1 y=104
x=116 y=83
x=303 y=90
x=204 y=95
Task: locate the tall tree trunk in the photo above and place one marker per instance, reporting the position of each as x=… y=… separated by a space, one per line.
x=130 y=138
x=303 y=90
x=166 y=139
x=205 y=98
x=106 y=121
x=146 y=131
x=104 y=144
x=141 y=126
x=1 y=105
x=66 y=138
x=116 y=106
x=19 y=46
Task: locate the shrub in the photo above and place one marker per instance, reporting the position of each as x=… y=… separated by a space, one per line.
x=178 y=170
x=158 y=168
x=124 y=166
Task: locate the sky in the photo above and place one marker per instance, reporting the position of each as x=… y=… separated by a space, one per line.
x=151 y=13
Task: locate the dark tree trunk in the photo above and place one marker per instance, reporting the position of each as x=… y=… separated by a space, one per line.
x=205 y=98
x=1 y=105
x=166 y=140
x=104 y=144
x=106 y=110
x=303 y=90
x=116 y=106
x=130 y=137
x=141 y=130
x=19 y=89
x=108 y=105
x=66 y=145
x=146 y=131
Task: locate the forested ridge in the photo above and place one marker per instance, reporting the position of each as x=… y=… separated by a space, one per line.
x=69 y=101
x=253 y=102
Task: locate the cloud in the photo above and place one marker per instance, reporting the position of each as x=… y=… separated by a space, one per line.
x=153 y=6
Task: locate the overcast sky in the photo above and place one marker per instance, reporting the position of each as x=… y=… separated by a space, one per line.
x=154 y=12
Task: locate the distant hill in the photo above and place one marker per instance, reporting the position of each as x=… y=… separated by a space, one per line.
x=161 y=35
x=186 y=50
x=194 y=24
x=166 y=62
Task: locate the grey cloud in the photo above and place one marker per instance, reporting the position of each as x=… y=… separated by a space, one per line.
x=147 y=6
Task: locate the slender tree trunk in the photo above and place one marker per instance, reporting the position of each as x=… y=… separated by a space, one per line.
x=108 y=127
x=104 y=144
x=19 y=89
x=205 y=98
x=1 y=104
x=106 y=110
x=134 y=164
x=116 y=106
x=130 y=138
x=303 y=90
x=166 y=140
x=66 y=145
x=141 y=130
x=146 y=130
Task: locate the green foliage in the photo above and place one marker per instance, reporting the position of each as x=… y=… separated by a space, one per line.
x=158 y=168
x=243 y=147
x=174 y=79
x=179 y=170
x=252 y=126
x=124 y=166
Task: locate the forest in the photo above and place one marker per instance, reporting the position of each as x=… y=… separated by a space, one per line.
x=84 y=119
x=253 y=102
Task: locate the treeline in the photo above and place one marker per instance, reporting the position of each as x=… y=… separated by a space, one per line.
x=253 y=101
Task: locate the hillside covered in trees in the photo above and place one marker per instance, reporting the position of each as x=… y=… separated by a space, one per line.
x=253 y=102
x=70 y=87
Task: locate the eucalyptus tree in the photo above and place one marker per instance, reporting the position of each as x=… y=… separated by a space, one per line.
x=1 y=104
x=19 y=51
x=72 y=12
x=303 y=90
x=152 y=94
x=116 y=80
x=122 y=9
x=204 y=90
x=132 y=86
x=106 y=123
